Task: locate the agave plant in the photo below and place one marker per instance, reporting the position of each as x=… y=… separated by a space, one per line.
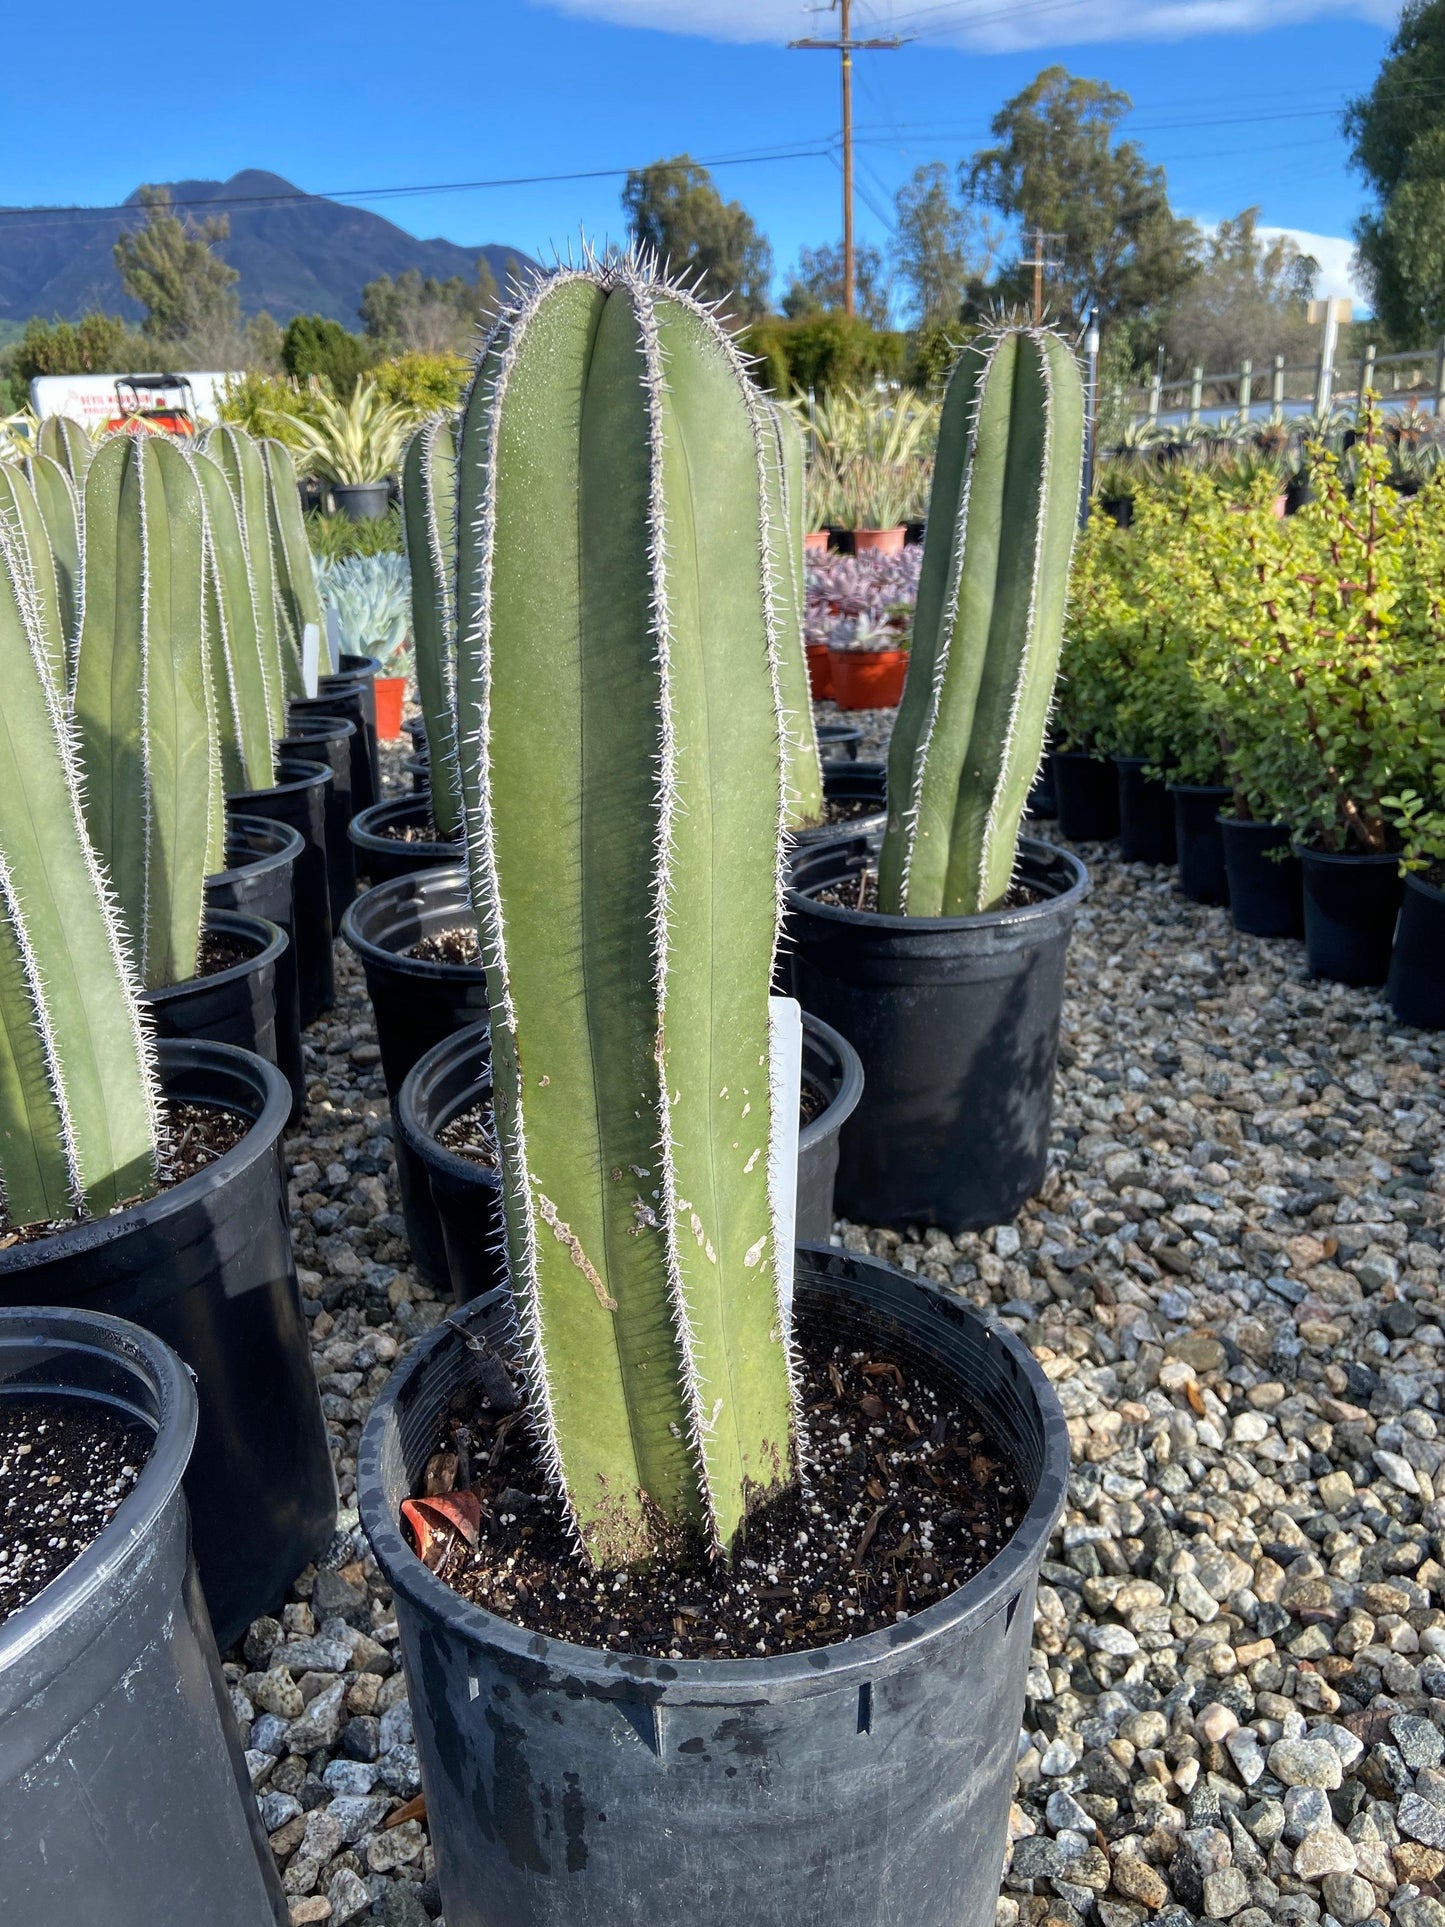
x=371 y=598
x=354 y=441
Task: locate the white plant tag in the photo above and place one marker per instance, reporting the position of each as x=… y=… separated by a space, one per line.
x=785 y=1027
x=311 y=656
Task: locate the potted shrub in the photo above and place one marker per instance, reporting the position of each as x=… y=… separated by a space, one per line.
x=1417 y=962
x=656 y=1310
x=941 y=956
x=352 y=446
x=371 y=598
x=859 y=609
x=139 y=1180
x=122 y=1783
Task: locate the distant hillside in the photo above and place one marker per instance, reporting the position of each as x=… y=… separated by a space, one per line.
x=311 y=256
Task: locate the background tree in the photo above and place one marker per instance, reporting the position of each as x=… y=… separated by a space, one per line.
x=817 y=284
x=1247 y=300
x=96 y=344
x=939 y=247
x=1057 y=165
x=315 y=345
x=188 y=292
x=409 y=315
x=1397 y=134
x=674 y=208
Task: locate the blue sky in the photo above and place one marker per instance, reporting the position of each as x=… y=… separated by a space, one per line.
x=1238 y=99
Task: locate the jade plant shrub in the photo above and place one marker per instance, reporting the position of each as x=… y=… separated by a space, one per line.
x=987 y=627
x=621 y=755
x=79 y=1102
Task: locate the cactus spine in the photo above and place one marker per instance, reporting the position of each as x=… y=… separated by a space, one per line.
x=142 y=703
x=429 y=514
x=78 y=1105
x=618 y=717
x=29 y=545
x=233 y=640
x=788 y=513
x=244 y=467
x=296 y=593
x=988 y=626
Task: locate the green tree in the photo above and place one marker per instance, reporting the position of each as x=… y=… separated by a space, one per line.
x=673 y=208
x=817 y=284
x=315 y=345
x=187 y=291
x=1059 y=167
x=939 y=247
x=96 y=344
x=1248 y=300
x=409 y=315
x=1397 y=135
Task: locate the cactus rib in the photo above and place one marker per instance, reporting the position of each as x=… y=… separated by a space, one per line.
x=428 y=503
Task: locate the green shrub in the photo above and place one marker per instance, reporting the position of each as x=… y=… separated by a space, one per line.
x=334 y=537
x=822 y=352
x=313 y=345
x=424 y=384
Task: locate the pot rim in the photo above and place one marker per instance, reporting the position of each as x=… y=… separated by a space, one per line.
x=690 y=1681
x=423 y=1140
x=309 y=775
x=889 y=655
x=1198 y=789
x=293 y=845
x=1256 y=823
x=1432 y=891
x=845 y=1100
x=261 y=1133
x=323 y=728
x=236 y=923
x=372 y=952
x=1361 y=859
x=394 y=809
x=119 y=1541
x=359 y=672
x=888 y=925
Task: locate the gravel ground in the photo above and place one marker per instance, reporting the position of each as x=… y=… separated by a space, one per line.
x=1237 y=1696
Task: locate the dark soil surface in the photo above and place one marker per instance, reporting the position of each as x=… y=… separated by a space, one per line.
x=907 y=1499
x=192 y=1136
x=219 y=952
x=455 y=946
x=840 y=809
x=65 y=1465
x=860 y=892
x=423 y=832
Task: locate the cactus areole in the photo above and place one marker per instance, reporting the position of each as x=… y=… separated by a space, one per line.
x=620 y=735
x=988 y=625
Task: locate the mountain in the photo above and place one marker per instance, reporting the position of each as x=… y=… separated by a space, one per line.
x=306 y=256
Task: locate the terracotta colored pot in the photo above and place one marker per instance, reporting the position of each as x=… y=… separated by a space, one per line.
x=390 y=695
x=820 y=671
x=816 y=541
x=879 y=541
x=868 y=678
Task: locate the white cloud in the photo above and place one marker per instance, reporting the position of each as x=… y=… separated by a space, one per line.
x=1336 y=256
x=987 y=24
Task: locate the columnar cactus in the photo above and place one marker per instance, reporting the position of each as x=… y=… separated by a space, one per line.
x=34 y=563
x=237 y=664
x=78 y=1100
x=787 y=508
x=618 y=717
x=244 y=466
x=429 y=514
x=143 y=705
x=59 y=501
x=988 y=626
x=296 y=594
x=66 y=442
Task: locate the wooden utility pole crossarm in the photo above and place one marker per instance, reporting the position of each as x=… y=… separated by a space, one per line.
x=847 y=47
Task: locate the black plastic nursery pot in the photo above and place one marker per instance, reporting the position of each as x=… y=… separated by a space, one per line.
x=1351 y=904
x=866 y=1783
x=833 y=1070
x=1417 y=963
x=346 y=703
x=327 y=739
x=862 y=784
x=234 y=1006
x=956 y=1020
x=299 y=800
x=416 y=1004
x=358 y=674
x=1086 y=796
x=415 y=727
x=361 y=501
x=1146 y=814
x=1266 y=890
x=1197 y=839
x=124 y=1796
x=839 y=739
x=383 y=851
x=207 y=1266
x=418 y=768
x=1043 y=803
x=260 y=858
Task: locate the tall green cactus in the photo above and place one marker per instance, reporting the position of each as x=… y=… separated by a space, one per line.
x=244 y=467
x=59 y=502
x=66 y=442
x=429 y=515
x=988 y=625
x=143 y=706
x=787 y=510
x=233 y=640
x=296 y=593
x=78 y=1100
x=618 y=717
x=21 y=517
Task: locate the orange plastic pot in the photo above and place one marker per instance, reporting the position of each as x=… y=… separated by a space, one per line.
x=820 y=671
x=390 y=694
x=868 y=678
x=879 y=541
x=816 y=541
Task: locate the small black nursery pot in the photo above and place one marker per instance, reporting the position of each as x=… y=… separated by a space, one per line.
x=1086 y=796
x=1265 y=884
x=1417 y=964
x=1351 y=907
x=1200 y=846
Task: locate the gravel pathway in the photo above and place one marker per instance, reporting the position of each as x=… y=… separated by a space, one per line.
x=1237 y=1696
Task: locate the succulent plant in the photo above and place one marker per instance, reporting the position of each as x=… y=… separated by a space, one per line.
x=988 y=625
x=371 y=597
x=620 y=737
x=36 y=580
x=59 y=502
x=787 y=513
x=296 y=596
x=351 y=442
x=429 y=514
x=144 y=709
x=237 y=663
x=78 y=1097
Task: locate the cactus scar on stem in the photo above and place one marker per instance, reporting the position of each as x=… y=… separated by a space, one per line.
x=564 y=1234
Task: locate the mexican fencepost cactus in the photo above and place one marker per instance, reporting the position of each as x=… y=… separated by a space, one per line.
x=143 y=707
x=59 y=502
x=78 y=1097
x=787 y=509
x=296 y=593
x=233 y=640
x=429 y=516
x=988 y=625
x=66 y=442
x=29 y=542
x=619 y=731
x=244 y=467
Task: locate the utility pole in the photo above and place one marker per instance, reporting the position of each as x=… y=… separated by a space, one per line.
x=847 y=47
x=1039 y=261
